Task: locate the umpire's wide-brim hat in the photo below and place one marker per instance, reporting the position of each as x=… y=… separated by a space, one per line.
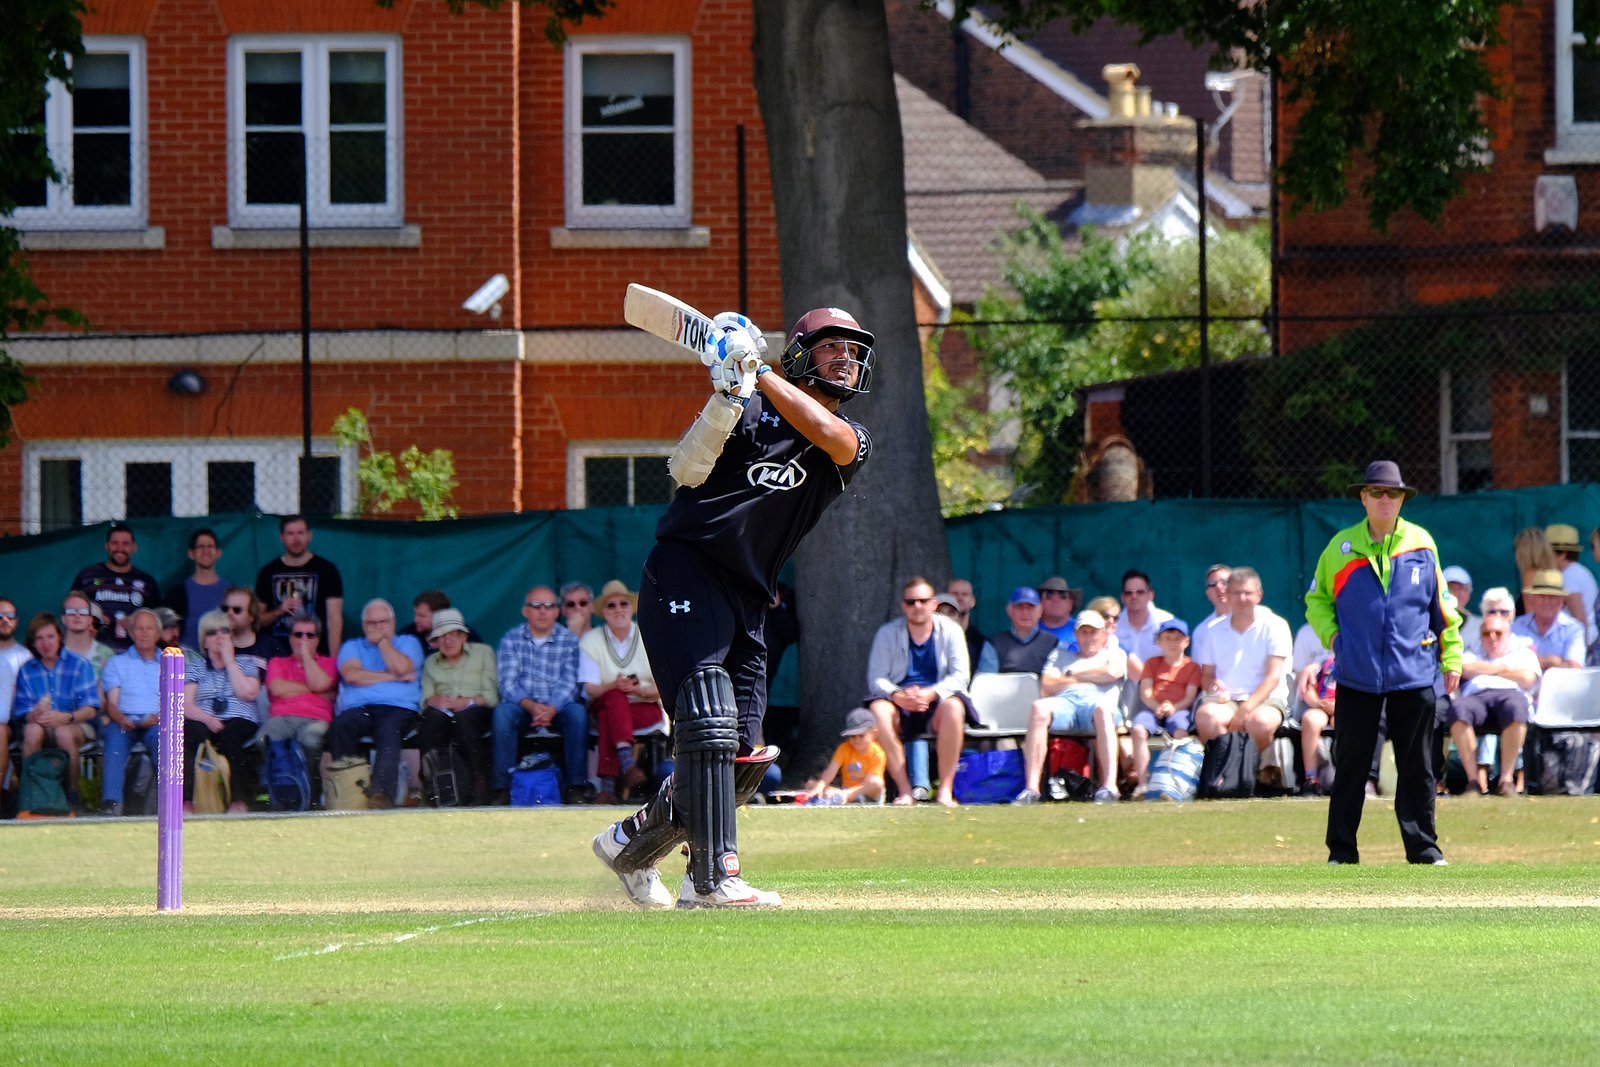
x=1384 y=472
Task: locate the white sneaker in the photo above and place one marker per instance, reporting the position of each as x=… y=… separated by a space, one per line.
x=731 y=892
x=1027 y=796
x=644 y=887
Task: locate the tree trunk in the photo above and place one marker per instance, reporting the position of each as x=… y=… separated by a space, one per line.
x=827 y=97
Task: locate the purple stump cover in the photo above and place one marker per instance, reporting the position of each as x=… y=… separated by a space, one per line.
x=169 y=785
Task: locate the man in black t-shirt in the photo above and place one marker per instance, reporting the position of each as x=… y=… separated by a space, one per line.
x=118 y=587
x=300 y=581
x=757 y=470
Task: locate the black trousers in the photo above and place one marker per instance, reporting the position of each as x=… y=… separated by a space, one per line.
x=466 y=728
x=1410 y=715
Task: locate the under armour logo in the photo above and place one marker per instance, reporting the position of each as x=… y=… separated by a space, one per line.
x=766 y=417
x=675 y=606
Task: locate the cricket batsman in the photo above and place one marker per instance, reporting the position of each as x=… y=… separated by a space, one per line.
x=755 y=472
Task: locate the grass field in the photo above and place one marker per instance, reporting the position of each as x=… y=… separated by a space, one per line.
x=1053 y=934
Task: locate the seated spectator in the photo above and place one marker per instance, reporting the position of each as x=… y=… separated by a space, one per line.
x=1081 y=692
x=1243 y=686
x=459 y=695
x=1557 y=637
x=301 y=688
x=577 y=608
x=1577 y=579
x=56 y=696
x=381 y=695
x=858 y=762
x=1308 y=650
x=622 y=692
x=1168 y=685
x=243 y=610
x=1532 y=551
x=1025 y=647
x=960 y=593
x=81 y=624
x=202 y=591
x=171 y=628
x=1217 y=592
x=116 y=587
x=1459 y=582
x=132 y=686
x=12 y=656
x=1057 y=602
x=537 y=667
x=1110 y=610
x=219 y=705
x=917 y=674
x=1140 y=621
x=422 y=610
x=1496 y=690
x=1315 y=687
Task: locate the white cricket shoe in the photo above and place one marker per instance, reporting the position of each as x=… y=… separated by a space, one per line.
x=731 y=892
x=644 y=887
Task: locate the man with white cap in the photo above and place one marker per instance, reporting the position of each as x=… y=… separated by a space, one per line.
x=1081 y=691
x=1459 y=582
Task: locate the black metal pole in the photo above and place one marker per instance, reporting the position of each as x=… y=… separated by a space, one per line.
x=1205 y=309
x=305 y=310
x=1272 y=210
x=744 y=224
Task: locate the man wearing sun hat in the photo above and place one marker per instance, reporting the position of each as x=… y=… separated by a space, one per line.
x=1557 y=637
x=1378 y=600
x=1575 y=577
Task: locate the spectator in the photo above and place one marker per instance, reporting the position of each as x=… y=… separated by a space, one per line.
x=201 y=591
x=858 y=762
x=459 y=695
x=577 y=608
x=1557 y=637
x=1243 y=685
x=423 y=607
x=56 y=696
x=242 y=608
x=132 y=685
x=917 y=671
x=1081 y=692
x=1109 y=609
x=1217 y=592
x=1022 y=649
x=219 y=705
x=171 y=628
x=1498 y=601
x=537 y=666
x=1577 y=579
x=1056 y=602
x=960 y=591
x=1315 y=687
x=299 y=581
x=301 y=688
x=117 y=587
x=1496 y=690
x=1140 y=621
x=622 y=692
x=1459 y=582
x=78 y=616
x=381 y=695
x=1532 y=551
x=1168 y=685
x=12 y=657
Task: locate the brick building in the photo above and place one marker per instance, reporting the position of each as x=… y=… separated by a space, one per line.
x=439 y=150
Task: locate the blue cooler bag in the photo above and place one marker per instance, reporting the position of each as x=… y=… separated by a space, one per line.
x=534 y=781
x=989 y=777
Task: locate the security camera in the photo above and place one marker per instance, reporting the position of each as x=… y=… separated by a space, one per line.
x=487 y=298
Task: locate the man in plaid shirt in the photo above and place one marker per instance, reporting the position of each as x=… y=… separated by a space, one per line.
x=537 y=666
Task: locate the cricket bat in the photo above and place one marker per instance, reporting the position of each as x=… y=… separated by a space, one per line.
x=670 y=319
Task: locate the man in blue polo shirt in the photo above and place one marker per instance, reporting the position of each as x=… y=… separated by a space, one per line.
x=132 y=684
x=381 y=695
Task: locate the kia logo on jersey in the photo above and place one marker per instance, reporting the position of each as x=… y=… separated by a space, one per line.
x=776 y=475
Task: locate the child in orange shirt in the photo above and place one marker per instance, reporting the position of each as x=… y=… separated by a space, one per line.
x=859 y=761
x=1167 y=690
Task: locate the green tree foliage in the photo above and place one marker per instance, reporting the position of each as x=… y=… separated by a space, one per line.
x=960 y=432
x=557 y=12
x=428 y=478
x=38 y=39
x=1400 y=85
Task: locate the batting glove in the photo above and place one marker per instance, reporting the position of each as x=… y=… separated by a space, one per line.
x=736 y=356
x=727 y=320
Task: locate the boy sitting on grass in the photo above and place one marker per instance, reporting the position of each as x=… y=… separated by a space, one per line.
x=1167 y=689
x=859 y=761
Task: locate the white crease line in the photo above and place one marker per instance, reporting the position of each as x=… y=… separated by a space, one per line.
x=398 y=938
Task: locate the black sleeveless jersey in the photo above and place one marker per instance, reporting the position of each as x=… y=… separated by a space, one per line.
x=767 y=490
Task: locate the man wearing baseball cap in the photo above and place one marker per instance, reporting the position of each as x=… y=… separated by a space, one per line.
x=1081 y=693
x=1459 y=582
x=1024 y=648
x=1057 y=601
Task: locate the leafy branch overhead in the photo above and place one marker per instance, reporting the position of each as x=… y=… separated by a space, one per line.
x=428 y=478
x=558 y=12
x=1400 y=84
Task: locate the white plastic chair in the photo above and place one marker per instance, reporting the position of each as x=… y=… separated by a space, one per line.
x=1569 y=698
x=1003 y=703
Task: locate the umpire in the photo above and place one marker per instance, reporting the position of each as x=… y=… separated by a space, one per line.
x=1377 y=601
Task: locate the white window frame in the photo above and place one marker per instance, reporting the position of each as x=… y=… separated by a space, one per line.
x=1576 y=142
x=277 y=461
x=629 y=216
x=578 y=451
x=314 y=49
x=59 y=212
x=1450 y=441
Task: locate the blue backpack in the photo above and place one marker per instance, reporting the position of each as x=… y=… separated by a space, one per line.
x=988 y=777
x=288 y=783
x=535 y=781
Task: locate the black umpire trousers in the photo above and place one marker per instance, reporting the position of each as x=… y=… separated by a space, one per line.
x=1411 y=729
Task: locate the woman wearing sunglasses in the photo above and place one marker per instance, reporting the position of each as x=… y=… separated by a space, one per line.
x=1378 y=602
